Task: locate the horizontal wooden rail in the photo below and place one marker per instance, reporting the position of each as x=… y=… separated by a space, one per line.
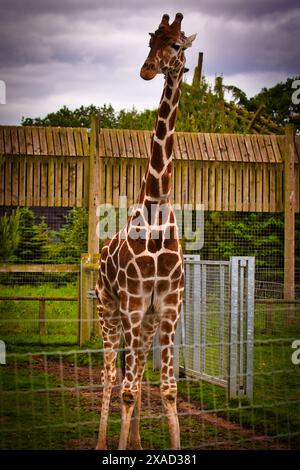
x=41 y=298
x=39 y=268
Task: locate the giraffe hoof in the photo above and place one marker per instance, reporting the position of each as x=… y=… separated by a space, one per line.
x=101 y=446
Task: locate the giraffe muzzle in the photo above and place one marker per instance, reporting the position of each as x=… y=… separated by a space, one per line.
x=148 y=71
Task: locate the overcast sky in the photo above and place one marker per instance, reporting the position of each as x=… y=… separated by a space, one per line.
x=78 y=52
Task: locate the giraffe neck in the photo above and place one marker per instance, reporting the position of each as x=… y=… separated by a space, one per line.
x=159 y=172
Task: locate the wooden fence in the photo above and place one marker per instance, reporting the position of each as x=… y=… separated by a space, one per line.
x=50 y=167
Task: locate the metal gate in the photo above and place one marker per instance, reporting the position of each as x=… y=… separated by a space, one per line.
x=214 y=340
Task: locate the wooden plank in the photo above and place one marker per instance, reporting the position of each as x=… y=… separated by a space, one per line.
x=50 y=142
x=51 y=181
x=252 y=188
x=176 y=148
x=279 y=189
x=85 y=142
x=8 y=181
x=269 y=149
x=148 y=137
x=71 y=142
x=229 y=148
x=28 y=140
x=189 y=146
x=198 y=183
x=196 y=146
x=14 y=140
x=29 y=181
x=243 y=149
x=39 y=268
x=209 y=147
x=266 y=189
x=245 y=187
x=44 y=181
x=142 y=145
x=297 y=188
x=65 y=182
x=7 y=141
x=36 y=180
x=191 y=183
x=259 y=187
x=262 y=148
x=56 y=141
x=130 y=191
x=239 y=169
x=216 y=147
x=257 y=157
x=276 y=151
x=205 y=174
x=121 y=143
x=249 y=148
x=128 y=144
x=184 y=182
x=219 y=186
x=64 y=142
x=2 y=182
x=21 y=139
x=116 y=181
x=36 y=140
x=78 y=142
x=223 y=147
x=225 y=190
x=58 y=182
x=182 y=146
x=79 y=182
x=232 y=187
x=43 y=141
x=114 y=143
x=236 y=148
x=135 y=145
x=72 y=181
x=15 y=181
x=109 y=183
x=212 y=187
x=272 y=188
x=107 y=143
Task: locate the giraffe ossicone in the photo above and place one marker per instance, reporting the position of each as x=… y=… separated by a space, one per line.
x=141 y=276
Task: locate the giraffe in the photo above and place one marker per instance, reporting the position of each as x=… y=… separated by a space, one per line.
x=141 y=276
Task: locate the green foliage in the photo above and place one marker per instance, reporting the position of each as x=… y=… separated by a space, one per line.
x=33 y=238
x=67 y=244
x=9 y=235
x=277 y=101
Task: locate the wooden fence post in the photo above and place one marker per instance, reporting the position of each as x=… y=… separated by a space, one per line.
x=93 y=241
x=289 y=213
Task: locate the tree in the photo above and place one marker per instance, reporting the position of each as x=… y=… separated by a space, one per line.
x=9 y=236
x=277 y=101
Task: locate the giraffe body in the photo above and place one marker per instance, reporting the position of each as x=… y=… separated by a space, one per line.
x=141 y=276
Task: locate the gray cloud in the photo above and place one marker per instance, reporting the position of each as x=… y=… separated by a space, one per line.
x=72 y=52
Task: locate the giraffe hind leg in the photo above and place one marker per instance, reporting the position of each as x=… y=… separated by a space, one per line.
x=111 y=332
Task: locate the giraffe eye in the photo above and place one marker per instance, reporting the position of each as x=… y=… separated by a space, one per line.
x=176 y=47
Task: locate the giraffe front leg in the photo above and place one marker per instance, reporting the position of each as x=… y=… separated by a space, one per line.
x=131 y=322
x=111 y=340
x=168 y=386
x=148 y=330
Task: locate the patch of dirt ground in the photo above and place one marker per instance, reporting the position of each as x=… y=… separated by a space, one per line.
x=85 y=382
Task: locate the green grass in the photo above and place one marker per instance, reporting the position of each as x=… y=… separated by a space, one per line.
x=32 y=418
x=19 y=319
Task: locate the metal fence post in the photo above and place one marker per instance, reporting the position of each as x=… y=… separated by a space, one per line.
x=233 y=327
x=241 y=326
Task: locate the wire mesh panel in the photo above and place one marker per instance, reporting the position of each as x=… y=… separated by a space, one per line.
x=205 y=320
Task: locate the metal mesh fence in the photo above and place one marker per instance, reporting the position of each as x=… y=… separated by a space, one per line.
x=51 y=400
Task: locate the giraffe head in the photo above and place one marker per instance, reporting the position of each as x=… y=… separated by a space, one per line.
x=167 y=47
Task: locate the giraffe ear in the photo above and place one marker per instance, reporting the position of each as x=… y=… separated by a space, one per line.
x=189 y=40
